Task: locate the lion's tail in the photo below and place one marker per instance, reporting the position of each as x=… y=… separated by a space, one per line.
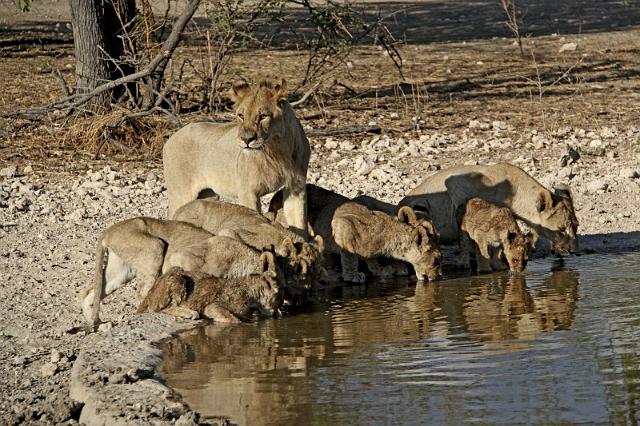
x=99 y=282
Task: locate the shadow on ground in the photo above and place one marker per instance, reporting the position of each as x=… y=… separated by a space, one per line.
x=430 y=21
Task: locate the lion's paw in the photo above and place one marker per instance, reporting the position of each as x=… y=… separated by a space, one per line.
x=354 y=277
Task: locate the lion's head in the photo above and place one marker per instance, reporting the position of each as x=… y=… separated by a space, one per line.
x=516 y=249
x=423 y=250
x=558 y=221
x=259 y=109
x=267 y=288
x=302 y=264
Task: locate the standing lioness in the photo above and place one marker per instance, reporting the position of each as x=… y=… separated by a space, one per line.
x=550 y=214
x=265 y=150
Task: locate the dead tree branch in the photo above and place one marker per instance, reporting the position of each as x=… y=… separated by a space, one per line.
x=158 y=63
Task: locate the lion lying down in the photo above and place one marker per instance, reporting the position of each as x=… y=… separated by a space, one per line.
x=147 y=247
x=354 y=231
x=302 y=263
x=193 y=294
x=485 y=227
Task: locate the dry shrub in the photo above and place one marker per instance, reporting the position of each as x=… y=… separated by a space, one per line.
x=110 y=133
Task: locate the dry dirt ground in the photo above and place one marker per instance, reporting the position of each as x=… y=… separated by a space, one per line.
x=468 y=97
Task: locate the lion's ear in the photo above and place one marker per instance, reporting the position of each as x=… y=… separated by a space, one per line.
x=431 y=230
x=319 y=242
x=238 y=91
x=268 y=262
x=532 y=238
x=289 y=248
x=421 y=236
x=543 y=201
x=279 y=91
x=407 y=215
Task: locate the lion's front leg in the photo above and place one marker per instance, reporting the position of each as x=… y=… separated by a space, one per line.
x=295 y=210
x=378 y=270
x=220 y=314
x=483 y=257
x=181 y=312
x=350 y=268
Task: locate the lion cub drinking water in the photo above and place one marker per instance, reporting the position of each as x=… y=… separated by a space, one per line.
x=255 y=230
x=147 y=247
x=484 y=226
x=195 y=294
x=354 y=231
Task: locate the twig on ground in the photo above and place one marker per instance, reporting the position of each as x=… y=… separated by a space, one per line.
x=304 y=97
x=63 y=84
x=344 y=131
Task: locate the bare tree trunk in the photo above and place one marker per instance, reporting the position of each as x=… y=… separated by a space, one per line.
x=100 y=42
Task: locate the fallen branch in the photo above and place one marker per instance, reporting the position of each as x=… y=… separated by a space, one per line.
x=166 y=51
x=344 y=131
x=304 y=97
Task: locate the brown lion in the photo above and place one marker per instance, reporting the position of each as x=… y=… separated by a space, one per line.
x=264 y=150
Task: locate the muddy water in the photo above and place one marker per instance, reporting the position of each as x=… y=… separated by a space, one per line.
x=558 y=344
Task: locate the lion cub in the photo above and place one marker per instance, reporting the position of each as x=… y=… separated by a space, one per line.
x=194 y=294
x=147 y=247
x=484 y=226
x=354 y=231
x=301 y=258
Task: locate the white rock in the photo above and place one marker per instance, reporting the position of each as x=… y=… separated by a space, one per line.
x=77 y=214
x=568 y=47
x=499 y=125
x=48 y=369
x=597 y=185
x=10 y=171
x=56 y=356
x=105 y=327
x=628 y=173
x=380 y=175
x=347 y=145
x=477 y=124
x=363 y=166
x=331 y=144
x=608 y=132
x=94 y=184
x=27 y=170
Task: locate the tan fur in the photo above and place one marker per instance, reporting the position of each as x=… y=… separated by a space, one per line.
x=266 y=149
x=551 y=214
x=301 y=259
x=190 y=294
x=147 y=247
x=484 y=226
x=354 y=231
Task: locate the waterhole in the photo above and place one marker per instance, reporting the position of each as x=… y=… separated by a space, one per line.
x=557 y=344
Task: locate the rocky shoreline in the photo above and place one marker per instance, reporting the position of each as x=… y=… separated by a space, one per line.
x=49 y=224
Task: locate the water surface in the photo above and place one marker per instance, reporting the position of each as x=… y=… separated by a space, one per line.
x=558 y=344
